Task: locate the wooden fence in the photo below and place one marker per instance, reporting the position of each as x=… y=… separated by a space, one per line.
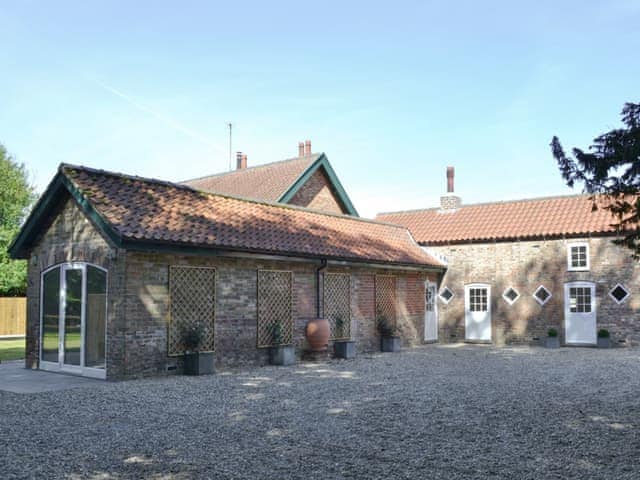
x=13 y=316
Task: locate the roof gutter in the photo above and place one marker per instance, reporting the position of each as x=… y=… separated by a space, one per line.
x=146 y=246
x=391 y=266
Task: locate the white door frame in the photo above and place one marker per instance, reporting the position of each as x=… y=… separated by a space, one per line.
x=468 y=314
x=60 y=366
x=588 y=321
x=431 y=334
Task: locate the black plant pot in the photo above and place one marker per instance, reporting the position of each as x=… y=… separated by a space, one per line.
x=390 y=344
x=344 y=349
x=552 y=342
x=604 y=342
x=282 y=355
x=198 y=363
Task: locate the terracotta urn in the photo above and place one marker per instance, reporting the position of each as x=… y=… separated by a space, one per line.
x=317 y=333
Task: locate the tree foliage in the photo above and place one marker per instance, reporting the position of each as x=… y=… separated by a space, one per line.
x=610 y=170
x=16 y=196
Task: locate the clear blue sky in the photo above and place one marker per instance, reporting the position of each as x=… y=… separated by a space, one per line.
x=393 y=92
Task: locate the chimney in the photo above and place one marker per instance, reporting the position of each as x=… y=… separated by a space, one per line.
x=450 y=174
x=450 y=202
x=301 y=149
x=241 y=161
x=307 y=147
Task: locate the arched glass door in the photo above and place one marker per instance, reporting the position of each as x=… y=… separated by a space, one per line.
x=73 y=323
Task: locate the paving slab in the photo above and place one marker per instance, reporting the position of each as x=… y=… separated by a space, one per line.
x=17 y=379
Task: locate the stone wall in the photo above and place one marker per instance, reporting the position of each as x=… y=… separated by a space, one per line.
x=147 y=306
x=527 y=265
x=316 y=194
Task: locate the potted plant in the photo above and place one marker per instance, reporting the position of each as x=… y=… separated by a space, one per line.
x=552 y=340
x=604 y=338
x=342 y=347
x=280 y=354
x=389 y=338
x=195 y=361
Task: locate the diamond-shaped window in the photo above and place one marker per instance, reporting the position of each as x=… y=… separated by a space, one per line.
x=510 y=295
x=542 y=295
x=619 y=293
x=446 y=295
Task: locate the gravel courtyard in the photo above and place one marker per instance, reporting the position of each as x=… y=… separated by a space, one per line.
x=433 y=412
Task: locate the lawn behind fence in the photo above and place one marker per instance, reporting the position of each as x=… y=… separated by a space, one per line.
x=11 y=349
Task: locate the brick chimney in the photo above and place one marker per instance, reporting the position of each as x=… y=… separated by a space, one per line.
x=307 y=148
x=450 y=202
x=241 y=161
x=301 y=149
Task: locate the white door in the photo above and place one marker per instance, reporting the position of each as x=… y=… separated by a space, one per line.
x=477 y=312
x=430 y=312
x=580 y=313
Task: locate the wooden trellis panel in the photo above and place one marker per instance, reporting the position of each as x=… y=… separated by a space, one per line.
x=337 y=304
x=274 y=306
x=386 y=297
x=192 y=297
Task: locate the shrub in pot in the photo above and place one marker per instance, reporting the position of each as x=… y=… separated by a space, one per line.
x=280 y=354
x=552 y=340
x=195 y=361
x=604 y=338
x=389 y=338
x=342 y=348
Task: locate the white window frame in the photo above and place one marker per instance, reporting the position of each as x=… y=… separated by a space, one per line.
x=570 y=267
x=546 y=299
x=444 y=300
x=60 y=366
x=507 y=299
x=625 y=298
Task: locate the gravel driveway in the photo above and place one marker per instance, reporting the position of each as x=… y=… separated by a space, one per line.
x=433 y=412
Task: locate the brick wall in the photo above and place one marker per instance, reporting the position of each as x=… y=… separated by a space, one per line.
x=72 y=237
x=527 y=265
x=316 y=194
x=147 y=307
x=138 y=308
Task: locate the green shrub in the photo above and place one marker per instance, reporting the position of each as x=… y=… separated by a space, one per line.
x=552 y=332
x=192 y=336
x=339 y=323
x=384 y=326
x=603 y=333
x=276 y=333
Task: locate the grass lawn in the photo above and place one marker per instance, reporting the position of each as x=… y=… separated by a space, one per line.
x=11 y=349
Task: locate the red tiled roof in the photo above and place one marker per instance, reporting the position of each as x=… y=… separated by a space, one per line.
x=156 y=212
x=263 y=182
x=521 y=219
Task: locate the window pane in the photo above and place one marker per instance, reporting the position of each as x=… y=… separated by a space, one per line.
x=477 y=299
x=579 y=257
x=511 y=294
x=580 y=299
x=50 y=315
x=96 y=316
x=72 y=316
x=619 y=293
x=446 y=294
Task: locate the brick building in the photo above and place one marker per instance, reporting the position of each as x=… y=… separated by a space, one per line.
x=517 y=268
x=307 y=180
x=117 y=265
